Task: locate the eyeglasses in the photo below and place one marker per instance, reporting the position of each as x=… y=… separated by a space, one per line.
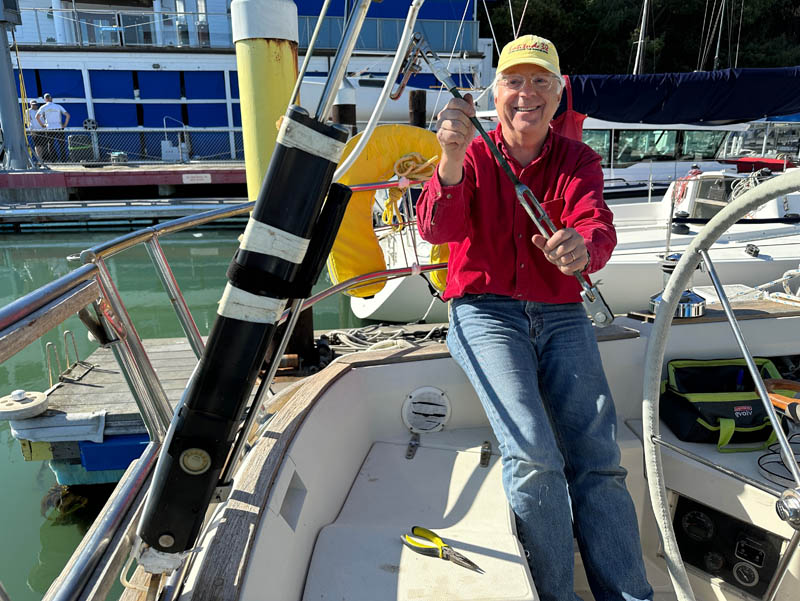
x=541 y=83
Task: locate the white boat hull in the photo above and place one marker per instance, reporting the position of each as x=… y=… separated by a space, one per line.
x=628 y=280
x=402 y=300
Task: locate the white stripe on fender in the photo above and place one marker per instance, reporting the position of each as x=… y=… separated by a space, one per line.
x=296 y=135
x=267 y=240
x=244 y=306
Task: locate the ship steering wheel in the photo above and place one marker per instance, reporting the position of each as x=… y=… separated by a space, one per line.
x=789 y=503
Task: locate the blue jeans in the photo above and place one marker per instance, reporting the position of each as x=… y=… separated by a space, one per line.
x=537 y=370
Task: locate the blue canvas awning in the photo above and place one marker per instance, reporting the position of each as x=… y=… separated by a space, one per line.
x=709 y=97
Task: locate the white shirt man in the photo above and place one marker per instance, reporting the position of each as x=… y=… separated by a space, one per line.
x=37 y=140
x=49 y=116
x=32 y=112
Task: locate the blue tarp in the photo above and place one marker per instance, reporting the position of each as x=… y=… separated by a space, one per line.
x=723 y=96
x=161 y=85
x=204 y=84
x=111 y=83
x=61 y=83
x=113 y=115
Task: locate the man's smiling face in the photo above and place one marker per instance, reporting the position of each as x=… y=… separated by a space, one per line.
x=527 y=111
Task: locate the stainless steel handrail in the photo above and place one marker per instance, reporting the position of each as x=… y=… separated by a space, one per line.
x=17 y=310
x=108 y=522
x=360 y=280
x=154 y=405
x=128 y=350
x=126 y=241
x=24 y=306
x=175 y=296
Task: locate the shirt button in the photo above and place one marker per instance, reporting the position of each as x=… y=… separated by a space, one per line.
x=449 y=196
x=522 y=265
x=519 y=235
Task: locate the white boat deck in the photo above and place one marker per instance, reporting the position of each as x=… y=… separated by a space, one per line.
x=442 y=488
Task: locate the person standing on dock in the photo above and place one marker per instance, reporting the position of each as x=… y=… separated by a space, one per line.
x=519 y=331
x=37 y=139
x=49 y=117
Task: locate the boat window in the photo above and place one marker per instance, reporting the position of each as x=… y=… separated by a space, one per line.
x=701 y=145
x=634 y=145
x=767 y=139
x=600 y=142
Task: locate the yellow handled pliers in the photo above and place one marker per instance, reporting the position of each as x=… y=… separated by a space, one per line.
x=439 y=548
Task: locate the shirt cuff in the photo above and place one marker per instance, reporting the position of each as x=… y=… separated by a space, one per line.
x=445 y=194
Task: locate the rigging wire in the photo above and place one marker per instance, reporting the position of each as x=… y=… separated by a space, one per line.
x=309 y=51
x=522 y=16
x=739 y=37
x=707 y=32
x=730 y=34
x=491 y=28
x=450 y=60
x=511 y=16
x=713 y=22
x=653 y=35
x=702 y=35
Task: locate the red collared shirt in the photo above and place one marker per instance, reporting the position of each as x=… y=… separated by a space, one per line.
x=489 y=233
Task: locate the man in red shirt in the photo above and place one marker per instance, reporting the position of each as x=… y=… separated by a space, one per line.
x=518 y=330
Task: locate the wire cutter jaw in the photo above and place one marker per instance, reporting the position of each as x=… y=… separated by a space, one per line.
x=454 y=556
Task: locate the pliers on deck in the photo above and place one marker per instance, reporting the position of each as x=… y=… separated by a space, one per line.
x=438 y=549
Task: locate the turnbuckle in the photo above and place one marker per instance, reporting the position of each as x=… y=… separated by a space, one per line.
x=419 y=50
x=594 y=303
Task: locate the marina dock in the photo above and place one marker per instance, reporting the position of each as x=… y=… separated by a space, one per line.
x=93 y=400
x=60 y=182
x=104 y=213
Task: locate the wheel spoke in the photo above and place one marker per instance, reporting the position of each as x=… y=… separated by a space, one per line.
x=786 y=449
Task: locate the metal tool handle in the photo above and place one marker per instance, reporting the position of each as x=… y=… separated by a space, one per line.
x=596 y=306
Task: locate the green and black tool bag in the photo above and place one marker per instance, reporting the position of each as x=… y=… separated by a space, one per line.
x=716 y=401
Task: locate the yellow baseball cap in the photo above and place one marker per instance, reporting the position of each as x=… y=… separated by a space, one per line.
x=530 y=50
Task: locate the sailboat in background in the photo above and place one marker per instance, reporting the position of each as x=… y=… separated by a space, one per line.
x=651 y=104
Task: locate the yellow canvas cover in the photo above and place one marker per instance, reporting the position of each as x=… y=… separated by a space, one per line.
x=356 y=250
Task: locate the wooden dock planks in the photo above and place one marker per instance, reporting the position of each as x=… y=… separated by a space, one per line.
x=104 y=387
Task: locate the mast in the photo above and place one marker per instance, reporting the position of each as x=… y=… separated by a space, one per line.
x=16 y=155
x=638 y=65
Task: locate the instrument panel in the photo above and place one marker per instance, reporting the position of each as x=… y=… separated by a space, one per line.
x=739 y=553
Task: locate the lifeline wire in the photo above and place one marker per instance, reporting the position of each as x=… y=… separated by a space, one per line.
x=452 y=51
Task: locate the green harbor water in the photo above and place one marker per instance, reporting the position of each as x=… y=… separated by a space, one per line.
x=37 y=538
